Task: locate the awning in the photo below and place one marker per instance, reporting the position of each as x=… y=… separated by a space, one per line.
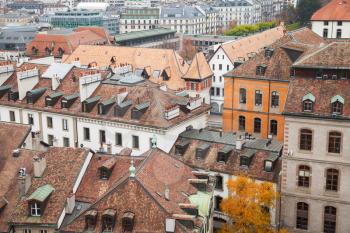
x=41 y=193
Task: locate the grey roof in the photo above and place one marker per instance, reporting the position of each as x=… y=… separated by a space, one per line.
x=180 y=11
x=232 y=3
x=260 y=144
x=72 y=96
x=249 y=153
x=92 y=99
x=13 y=36
x=59 y=69
x=142 y=105
x=125 y=103
x=56 y=94
x=142 y=34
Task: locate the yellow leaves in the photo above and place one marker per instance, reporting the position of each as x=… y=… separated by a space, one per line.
x=248 y=205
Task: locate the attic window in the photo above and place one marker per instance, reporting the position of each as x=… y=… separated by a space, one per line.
x=90 y=219
x=107 y=168
x=139 y=110
x=88 y=104
x=34 y=50
x=268 y=52
x=67 y=101
x=108 y=220
x=13 y=95
x=128 y=221
x=38 y=198
x=308 y=102
x=105 y=106
x=260 y=70
x=246 y=158
x=52 y=99
x=337 y=105
x=35 y=209
x=60 y=52
x=120 y=109
x=47 y=51
x=202 y=150
x=4 y=89
x=181 y=148
x=269 y=162
x=34 y=95
x=223 y=154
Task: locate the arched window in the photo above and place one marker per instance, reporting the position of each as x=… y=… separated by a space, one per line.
x=334 y=142
x=258 y=98
x=304 y=176
x=257 y=125
x=302 y=219
x=308 y=106
x=332 y=179
x=47 y=51
x=273 y=127
x=337 y=108
x=60 y=52
x=241 y=123
x=34 y=50
x=219 y=183
x=305 y=139
x=242 y=96
x=330 y=219
x=275 y=99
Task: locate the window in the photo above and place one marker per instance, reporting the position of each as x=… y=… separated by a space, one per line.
x=304 y=176
x=275 y=99
x=241 y=123
x=334 y=142
x=217 y=91
x=217 y=203
x=135 y=142
x=12 y=116
x=220 y=78
x=308 y=106
x=102 y=136
x=49 y=122
x=330 y=219
x=107 y=224
x=212 y=91
x=65 y=142
x=340 y=23
x=50 y=139
x=35 y=209
x=118 y=139
x=213 y=66
x=337 y=107
x=302 y=215
x=305 y=139
x=86 y=134
x=338 y=33
x=325 y=23
x=228 y=67
x=43 y=231
x=220 y=66
x=65 y=124
x=268 y=166
x=242 y=96
x=258 y=97
x=325 y=33
x=332 y=176
x=257 y=125
x=219 y=183
x=30 y=119
x=273 y=127
x=27 y=231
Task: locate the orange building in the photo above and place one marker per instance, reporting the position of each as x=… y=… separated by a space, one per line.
x=256 y=91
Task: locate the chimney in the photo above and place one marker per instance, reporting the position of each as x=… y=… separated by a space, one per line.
x=26 y=80
x=70 y=203
x=55 y=82
x=24 y=182
x=88 y=84
x=39 y=166
x=109 y=148
x=239 y=143
x=167 y=193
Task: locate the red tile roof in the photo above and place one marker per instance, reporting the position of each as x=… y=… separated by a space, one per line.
x=337 y=10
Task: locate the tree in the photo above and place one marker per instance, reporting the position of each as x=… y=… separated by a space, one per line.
x=288 y=15
x=248 y=206
x=306 y=8
x=188 y=51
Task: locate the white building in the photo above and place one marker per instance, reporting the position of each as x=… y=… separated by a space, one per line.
x=231 y=54
x=138 y=19
x=333 y=20
x=76 y=107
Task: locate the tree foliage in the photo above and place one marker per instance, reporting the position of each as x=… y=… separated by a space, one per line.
x=243 y=30
x=247 y=206
x=306 y=8
x=188 y=51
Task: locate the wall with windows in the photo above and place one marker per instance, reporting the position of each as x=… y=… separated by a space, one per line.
x=331 y=29
x=255 y=99
x=316 y=163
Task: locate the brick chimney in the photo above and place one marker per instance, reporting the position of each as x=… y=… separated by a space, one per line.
x=24 y=182
x=39 y=166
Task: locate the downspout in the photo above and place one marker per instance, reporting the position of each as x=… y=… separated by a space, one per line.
x=233 y=89
x=268 y=109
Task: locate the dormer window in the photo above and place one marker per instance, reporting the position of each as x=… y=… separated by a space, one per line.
x=223 y=154
x=246 y=158
x=67 y=101
x=107 y=168
x=108 y=220
x=105 y=106
x=35 y=209
x=128 y=221
x=269 y=162
x=181 y=148
x=88 y=104
x=308 y=102
x=268 y=52
x=337 y=105
x=47 y=51
x=34 y=95
x=260 y=69
x=202 y=150
x=139 y=110
x=60 y=52
x=90 y=219
x=34 y=50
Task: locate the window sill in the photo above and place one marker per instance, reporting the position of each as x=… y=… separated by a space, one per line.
x=305 y=152
x=331 y=193
x=303 y=190
x=334 y=154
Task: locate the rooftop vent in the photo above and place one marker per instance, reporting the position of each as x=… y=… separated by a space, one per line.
x=172 y=112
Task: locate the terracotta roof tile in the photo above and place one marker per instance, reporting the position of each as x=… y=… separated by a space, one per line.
x=334 y=10
x=199 y=68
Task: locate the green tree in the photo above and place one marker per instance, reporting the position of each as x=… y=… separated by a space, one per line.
x=306 y=8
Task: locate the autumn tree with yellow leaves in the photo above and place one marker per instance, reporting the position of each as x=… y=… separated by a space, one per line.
x=248 y=205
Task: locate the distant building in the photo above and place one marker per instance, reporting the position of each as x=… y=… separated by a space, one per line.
x=333 y=20
x=15 y=38
x=138 y=19
x=16 y=18
x=152 y=38
x=59 y=43
x=30 y=6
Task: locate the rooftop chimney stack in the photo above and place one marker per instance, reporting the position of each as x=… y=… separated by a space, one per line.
x=39 y=166
x=88 y=84
x=70 y=203
x=167 y=193
x=239 y=143
x=26 y=81
x=24 y=182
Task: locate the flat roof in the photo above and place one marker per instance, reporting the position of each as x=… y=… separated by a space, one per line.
x=142 y=34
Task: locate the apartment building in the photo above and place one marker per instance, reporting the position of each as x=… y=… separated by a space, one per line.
x=315 y=193
x=231 y=54
x=256 y=91
x=138 y=19
x=79 y=107
x=225 y=156
x=333 y=20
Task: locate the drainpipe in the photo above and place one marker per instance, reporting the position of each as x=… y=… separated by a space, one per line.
x=268 y=109
x=233 y=89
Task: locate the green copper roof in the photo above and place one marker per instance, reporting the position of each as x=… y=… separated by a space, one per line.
x=142 y=34
x=337 y=98
x=41 y=193
x=309 y=96
x=202 y=200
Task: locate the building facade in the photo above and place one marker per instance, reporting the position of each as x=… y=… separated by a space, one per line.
x=315 y=194
x=138 y=19
x=333 y=20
